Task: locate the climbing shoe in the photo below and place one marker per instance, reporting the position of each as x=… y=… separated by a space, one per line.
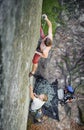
x=30 y=74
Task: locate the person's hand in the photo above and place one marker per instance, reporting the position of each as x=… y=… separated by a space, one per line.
x=38 y=53
x=35 y=95
x=31 y=88
x=44 y=16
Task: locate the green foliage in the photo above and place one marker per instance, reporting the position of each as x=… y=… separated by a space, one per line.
x=53 y=9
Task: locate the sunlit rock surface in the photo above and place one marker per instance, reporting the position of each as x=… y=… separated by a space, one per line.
x=19 y=33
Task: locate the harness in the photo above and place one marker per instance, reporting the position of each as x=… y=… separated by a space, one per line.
x=39 y=43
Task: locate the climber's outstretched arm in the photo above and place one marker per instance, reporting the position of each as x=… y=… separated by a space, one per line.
x=31 y=92
x=49 y=24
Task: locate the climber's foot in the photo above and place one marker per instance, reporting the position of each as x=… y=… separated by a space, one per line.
x=31 y=74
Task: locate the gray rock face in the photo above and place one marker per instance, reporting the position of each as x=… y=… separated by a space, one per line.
x=66 y=58
x=19 y=33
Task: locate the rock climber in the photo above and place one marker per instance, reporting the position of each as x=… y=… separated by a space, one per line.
x=44 y=45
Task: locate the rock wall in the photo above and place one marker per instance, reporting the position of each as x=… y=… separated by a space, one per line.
x=19 y=33
x=66 y=58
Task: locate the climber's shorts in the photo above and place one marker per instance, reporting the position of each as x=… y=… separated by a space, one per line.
x=36 y=58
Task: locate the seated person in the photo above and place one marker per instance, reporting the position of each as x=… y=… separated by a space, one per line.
x=68 y=94
x=36 y=104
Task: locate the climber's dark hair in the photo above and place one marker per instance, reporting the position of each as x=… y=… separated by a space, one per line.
x=48 y=42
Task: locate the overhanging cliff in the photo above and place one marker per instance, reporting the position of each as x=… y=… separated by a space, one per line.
x=19 y=33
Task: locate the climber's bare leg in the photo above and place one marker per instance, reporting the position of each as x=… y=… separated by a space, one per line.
x=34 y=68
